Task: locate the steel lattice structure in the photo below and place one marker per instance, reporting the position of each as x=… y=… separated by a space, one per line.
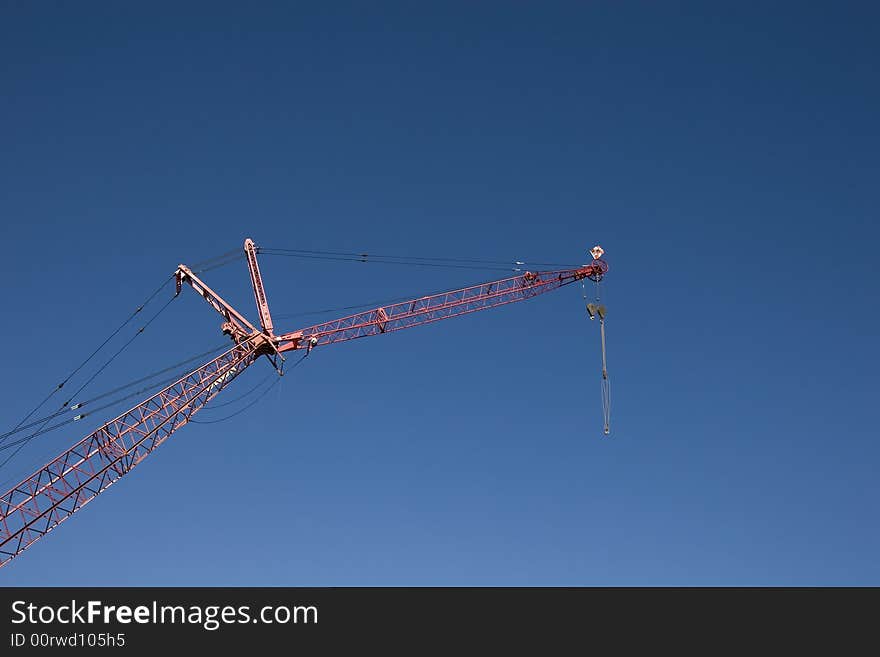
x=74 y=478
x=42 y=501
x=433 y=308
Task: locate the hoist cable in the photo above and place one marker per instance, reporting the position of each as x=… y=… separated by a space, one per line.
x=593 y=310
x=606 y=405
x=606 y=384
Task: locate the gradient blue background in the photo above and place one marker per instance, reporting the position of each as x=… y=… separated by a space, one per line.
x=725 y=155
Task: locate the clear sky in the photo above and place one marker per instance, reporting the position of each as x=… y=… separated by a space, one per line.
x=725 y=155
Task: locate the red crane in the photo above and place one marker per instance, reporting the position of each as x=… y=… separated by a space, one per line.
x=38 y=504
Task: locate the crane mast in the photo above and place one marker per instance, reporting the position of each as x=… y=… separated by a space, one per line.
x=51 y=495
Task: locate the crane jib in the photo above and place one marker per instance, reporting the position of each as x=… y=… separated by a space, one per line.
x=35 y=506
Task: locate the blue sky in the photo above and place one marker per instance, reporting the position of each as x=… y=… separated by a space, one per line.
x=725 y=156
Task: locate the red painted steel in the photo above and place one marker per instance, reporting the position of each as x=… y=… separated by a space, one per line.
x=235 y=325
x=34 y=507
x=445 y=305
x=37 y=505
x=257 y=282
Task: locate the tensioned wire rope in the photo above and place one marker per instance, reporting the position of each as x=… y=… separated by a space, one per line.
x=92 y=410
x=417 y=261
x=208 y=265
x=205 y=265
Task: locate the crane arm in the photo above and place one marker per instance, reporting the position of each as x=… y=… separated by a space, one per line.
x=250 y=250
x=34 y=507
x=435 y=307
x=42 y=501
x=235 y=325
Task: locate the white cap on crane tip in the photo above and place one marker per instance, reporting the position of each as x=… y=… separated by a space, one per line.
x=597 y=252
